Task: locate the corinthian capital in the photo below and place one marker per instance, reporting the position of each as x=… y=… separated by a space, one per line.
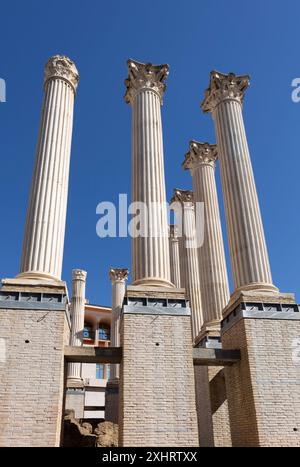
x=79 y=275
x=145 y=76
x=60 y=66
x=182 y=196
x=200 y=154
x=222 y=87
x=118 y=274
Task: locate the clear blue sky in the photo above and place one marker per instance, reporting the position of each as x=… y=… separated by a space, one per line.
x=260 y=38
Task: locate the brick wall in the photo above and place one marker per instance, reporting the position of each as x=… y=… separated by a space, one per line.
x=219 y=407
x=212 y=407
x=264 y=388
x=205 y=426
x=31 y=375
x=157 y=395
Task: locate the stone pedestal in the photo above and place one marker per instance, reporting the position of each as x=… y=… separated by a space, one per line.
x=263 y=388
x=75 y=398
x=34 y=328
x=157 y=395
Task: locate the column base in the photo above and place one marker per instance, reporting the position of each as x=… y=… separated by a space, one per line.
x=39 y=276
x=75 y=383
x=149 y=291
x=257 y=287
x=19 y=282
x=153 y=282
x=257 y=295
x=209 y=336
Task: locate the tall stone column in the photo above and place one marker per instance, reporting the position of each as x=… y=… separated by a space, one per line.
x=248 y=251
x=200 y=160
x=75 y=391
x=150 y=251
x=46 y=217
x=118 y=279
x=183 y=200
x=213 y=421
x=174 y=256
x=77 y=322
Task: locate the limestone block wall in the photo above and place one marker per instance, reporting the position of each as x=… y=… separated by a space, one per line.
x=75 y=401
x=32 y=376
x=264 y=388
x=157 y=394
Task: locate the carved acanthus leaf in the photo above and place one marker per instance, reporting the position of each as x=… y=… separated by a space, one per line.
x=79 y=274
x=222 y=87
x=118 y=274
x=60 y=66
x=200 y=154
x=182 y=196
x=145 y=75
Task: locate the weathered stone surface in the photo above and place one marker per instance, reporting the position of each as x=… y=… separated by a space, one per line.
x=77 y=435
x=107 y=435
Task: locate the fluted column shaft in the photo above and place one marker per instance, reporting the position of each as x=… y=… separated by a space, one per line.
x=248 y=251
x=192 y=268
x=174 y=257
x=118 y=279
x=77 y=318
x=212 y=263
x=183 y=205
x=150 y=251
x=250 y=261
x=43 y=244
